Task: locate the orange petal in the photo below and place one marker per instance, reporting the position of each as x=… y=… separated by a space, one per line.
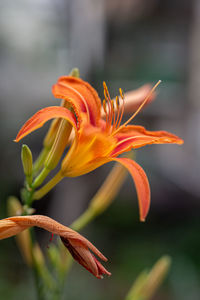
x=14 y=225
x=133 y=136
x=77 y=245
x=44 y=115
x=81 y=95
x=141 y=182
x=92 y=150
x=81 y=253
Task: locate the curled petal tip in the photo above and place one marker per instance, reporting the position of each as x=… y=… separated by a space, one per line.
x=143 y=214
x=80 y=251
x=141 y=183
x=102 y=277
x=180 y=142
x=108 y=274
x=104 y=258
x=44 y=115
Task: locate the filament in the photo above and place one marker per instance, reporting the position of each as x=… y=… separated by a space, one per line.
x=121 y=110
x=139 y=109
x=110 y=106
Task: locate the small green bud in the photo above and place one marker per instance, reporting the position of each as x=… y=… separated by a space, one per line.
x=156 y=276
x=147 y=283
x=14 y=206
x=75 y=72
x=23 y=239
x=27 y=162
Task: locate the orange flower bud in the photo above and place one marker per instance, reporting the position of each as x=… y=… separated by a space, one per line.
x=78 y=246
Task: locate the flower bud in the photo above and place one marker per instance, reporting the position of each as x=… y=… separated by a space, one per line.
x=41 y=268
x=147 y=283
x=59 y=144
x=14 y=206
x=38 y=256
x=55 y=124
x=110 y=188
x=27 y=162
x=51 y=134
x=23 y=239
x=75 y=73
x=58 y=135
x=156 y=276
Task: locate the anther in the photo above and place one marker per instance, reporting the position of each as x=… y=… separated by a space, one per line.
x=121 y=93
x=105 y=88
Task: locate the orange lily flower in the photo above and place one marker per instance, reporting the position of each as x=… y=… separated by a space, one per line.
x=98 y=141
x=77 y=245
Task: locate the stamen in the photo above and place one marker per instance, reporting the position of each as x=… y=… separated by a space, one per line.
x=121 y=93
x=106 y=100
x=140 y=107
x=117 y=102
x=105 y=88
x=104 y=106
x=118 y=111
x=113 y=111
x=109 y=103
x=105 y=110
x=116 y=114
x=120 y=115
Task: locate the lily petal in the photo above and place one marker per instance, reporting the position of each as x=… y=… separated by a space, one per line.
x=78 y=246
x=92 y=149
x=84 y=257
x=132 y=137
x=141 y=182
x=81 y=95
x=44 y=115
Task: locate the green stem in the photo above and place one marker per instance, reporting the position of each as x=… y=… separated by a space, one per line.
x=40 y=293
x=39 y=288
x=83 y=220
x=44 y=281
x=29 y=199
x=40 y=160
x=48 y=186
x=41 y=177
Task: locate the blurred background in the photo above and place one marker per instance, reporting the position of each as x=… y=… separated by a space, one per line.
x=126 y=43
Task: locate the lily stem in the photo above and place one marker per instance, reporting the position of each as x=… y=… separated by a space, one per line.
x=40 y=160
x=41 y=177
x=48 y=186
x=83 y=220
